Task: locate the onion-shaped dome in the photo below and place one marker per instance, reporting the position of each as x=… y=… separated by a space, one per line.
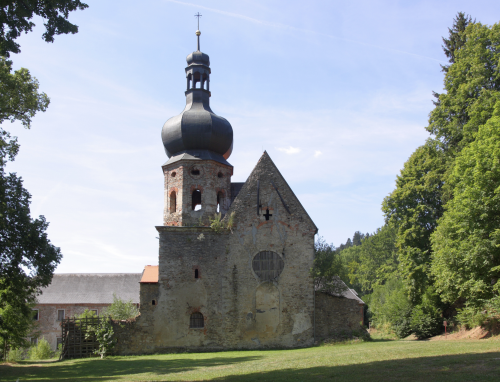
x=197 y=128
x=198 y=58
x=198 y=131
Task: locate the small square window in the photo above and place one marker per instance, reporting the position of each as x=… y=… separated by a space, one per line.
x=60 y=315
x=153 y=302
x=59 y=341
x=35 y=315
x=95 y=311
x=34 y=341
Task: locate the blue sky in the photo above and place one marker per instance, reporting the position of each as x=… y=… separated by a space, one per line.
x=337 y=92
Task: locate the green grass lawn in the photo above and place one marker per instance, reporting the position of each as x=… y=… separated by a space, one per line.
x=466 y=360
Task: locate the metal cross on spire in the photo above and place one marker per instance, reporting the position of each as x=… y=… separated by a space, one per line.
x=198 y=15
x=198 y=31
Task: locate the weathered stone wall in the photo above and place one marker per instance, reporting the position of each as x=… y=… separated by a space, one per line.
x=48 y=325
x=240 y=309
x=336 y=316
x=179 y=178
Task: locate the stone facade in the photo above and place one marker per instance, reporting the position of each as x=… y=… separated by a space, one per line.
x=49 y=327
x=203 y=271
x=337 y=316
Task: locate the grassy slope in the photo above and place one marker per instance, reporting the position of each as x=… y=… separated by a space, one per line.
x=369 y=361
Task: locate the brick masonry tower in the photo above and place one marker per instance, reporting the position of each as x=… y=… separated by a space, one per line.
x=198 y=143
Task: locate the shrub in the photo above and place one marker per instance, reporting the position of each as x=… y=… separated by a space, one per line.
x=87 y=314
x=472 y=315
x=40 y=351
x=426 y=320
x=104 y=335
x=15 y=355
x=121 y=310
x=57 y=353
x=425 y=323
x=389 y=304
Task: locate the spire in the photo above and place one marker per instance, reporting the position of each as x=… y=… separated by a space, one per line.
x=198 y=33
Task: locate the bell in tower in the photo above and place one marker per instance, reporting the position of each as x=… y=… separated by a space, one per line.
x=198 y=144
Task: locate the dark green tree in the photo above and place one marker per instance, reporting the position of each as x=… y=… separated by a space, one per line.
x=456 y=38
x=466 y=243
x=413 y=208
x=19 y=95
x=471 y=83
x=328 y=270
x=374 y=261
x=15 y=326
x=16 y=16
x=27 y=258
x=121 y=310
x=357 y=238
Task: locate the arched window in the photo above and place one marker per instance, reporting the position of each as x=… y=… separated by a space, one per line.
x=267 y=265
x=196 y=199
x=196 y=320
x=220 y=197
x=173 y=202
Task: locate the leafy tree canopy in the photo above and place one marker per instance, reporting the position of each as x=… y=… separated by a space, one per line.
x=19 y=95
x=328 y=270
x=414 y=208
x=16 y=16
x=471 y=85
x=374 y=261
x=15 y=326
x=121 y=310
x=466 y=243
x=27 y=258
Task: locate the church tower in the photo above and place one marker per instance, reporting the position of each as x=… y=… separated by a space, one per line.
x=246 y=285
x=198 y=144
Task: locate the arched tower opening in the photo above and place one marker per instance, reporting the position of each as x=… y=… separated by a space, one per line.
x=196 y=200
x=220 y=198
x=173 y=202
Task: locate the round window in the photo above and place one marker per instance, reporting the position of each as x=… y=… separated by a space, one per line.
x=267 y=265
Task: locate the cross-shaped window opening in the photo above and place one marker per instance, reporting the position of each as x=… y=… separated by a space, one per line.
x=267 y=215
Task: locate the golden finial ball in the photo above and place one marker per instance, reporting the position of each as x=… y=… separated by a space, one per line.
x=198 y=33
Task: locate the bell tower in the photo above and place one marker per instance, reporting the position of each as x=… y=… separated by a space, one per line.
x=198 y=144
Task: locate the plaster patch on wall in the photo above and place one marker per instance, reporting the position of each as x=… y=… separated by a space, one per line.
x=301 y=323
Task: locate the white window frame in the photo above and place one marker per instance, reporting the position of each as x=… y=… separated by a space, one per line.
x=96 y=311
x=37 y=314
x=34 y=340
x=64 y=314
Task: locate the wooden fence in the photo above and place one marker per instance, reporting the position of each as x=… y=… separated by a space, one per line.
x=77 y=340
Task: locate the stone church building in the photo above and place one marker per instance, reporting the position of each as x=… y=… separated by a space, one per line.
x=244 y=282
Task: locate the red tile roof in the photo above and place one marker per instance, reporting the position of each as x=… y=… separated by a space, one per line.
x=150 y=274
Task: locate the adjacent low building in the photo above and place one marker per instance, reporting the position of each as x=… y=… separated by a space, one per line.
x=70 y=294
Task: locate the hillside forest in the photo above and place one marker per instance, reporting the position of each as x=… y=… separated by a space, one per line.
x=437 y=257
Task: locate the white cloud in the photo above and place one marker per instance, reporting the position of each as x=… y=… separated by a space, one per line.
x=290 y=150
x=317 y=153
